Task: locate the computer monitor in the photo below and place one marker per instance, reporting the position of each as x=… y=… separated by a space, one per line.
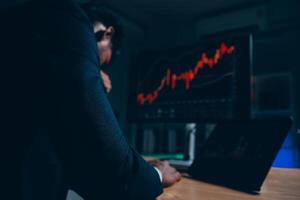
x=209 y=81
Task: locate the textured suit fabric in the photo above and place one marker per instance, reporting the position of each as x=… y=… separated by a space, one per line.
x=59 y=130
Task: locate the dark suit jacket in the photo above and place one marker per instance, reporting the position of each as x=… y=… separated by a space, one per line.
x=59 y=130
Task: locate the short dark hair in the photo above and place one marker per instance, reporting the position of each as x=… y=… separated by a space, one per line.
x=97 y=13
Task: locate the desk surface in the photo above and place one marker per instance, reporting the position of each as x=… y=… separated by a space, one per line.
x=280 y=184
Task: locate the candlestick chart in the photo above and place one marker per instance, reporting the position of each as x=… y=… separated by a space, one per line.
x=188 y=75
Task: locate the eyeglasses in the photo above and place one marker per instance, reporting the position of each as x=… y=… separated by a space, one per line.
x=109 y=31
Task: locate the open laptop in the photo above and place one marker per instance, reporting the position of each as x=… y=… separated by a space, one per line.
x=239 y=154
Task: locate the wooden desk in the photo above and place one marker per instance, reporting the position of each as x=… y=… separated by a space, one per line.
x=280 y=184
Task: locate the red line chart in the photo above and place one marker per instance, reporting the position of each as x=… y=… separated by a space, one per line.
x=171 y=79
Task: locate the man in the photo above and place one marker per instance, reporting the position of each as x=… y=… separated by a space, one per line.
x=108 y=35
x=56 y=112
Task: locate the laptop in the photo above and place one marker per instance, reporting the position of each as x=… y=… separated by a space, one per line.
x=239 y=154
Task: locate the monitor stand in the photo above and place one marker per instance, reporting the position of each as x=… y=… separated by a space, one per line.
x=185 y=164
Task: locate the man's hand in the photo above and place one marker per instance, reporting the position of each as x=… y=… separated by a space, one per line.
x=170 y=174
x=106 y=81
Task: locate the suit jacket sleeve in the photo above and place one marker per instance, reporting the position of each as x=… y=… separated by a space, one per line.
x=95 y=156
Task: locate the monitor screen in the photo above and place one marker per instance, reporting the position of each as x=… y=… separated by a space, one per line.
x=207 y=81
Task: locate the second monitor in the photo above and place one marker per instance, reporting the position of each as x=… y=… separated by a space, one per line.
x=208 y=81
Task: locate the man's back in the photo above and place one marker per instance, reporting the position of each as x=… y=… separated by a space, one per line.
x=57 y=117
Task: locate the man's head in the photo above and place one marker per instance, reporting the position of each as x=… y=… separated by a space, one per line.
x=104 y=36
x=107 y=31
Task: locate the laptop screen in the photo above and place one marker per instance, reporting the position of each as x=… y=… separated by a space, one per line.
x=239 y=154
